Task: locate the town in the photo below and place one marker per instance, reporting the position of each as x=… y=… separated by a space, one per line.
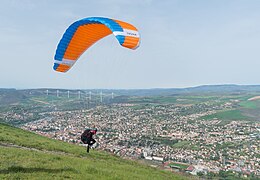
x=177 y=137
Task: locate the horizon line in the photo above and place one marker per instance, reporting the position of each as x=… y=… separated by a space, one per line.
x=151 y=88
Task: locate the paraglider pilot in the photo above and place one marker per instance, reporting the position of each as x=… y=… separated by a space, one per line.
x=87 y=137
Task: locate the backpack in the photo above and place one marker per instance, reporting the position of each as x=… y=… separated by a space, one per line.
x=86 y=134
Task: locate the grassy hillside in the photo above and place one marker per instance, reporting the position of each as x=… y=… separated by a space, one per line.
x=25 y=155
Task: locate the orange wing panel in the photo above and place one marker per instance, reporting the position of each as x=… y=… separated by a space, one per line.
x=125 y=25
x=130 y=42
x=62 y=68
x=83 y=38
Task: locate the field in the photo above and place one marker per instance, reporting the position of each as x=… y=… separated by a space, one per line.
x=244 y=110
x=228 y=115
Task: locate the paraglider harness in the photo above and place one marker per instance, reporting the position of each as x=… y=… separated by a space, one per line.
x=87 y=137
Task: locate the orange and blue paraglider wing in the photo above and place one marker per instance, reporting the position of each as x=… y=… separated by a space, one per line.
x=83 y=33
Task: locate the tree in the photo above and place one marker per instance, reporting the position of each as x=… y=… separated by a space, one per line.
x=201 y=173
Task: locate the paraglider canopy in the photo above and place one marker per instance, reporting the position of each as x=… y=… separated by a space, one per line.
x=85 y=32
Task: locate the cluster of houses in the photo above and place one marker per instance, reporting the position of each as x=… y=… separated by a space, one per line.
x=162 y=133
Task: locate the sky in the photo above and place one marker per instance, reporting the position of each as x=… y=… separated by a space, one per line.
x=184 y=43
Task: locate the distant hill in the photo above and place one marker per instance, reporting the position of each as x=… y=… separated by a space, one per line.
x=25 y=155
x=12 y=96
x=191 y=90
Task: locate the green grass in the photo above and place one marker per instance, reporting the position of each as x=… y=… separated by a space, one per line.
x=19 y=137
x=227 y=115
x=181 y=166
x=249 y=104
x=167 y=141
x=141 y=106
x=186 y=145
x=24 y=164
x=165 y=100
x=153 y=100
x=181 y=144
x=47 y=163
x=226 y=145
